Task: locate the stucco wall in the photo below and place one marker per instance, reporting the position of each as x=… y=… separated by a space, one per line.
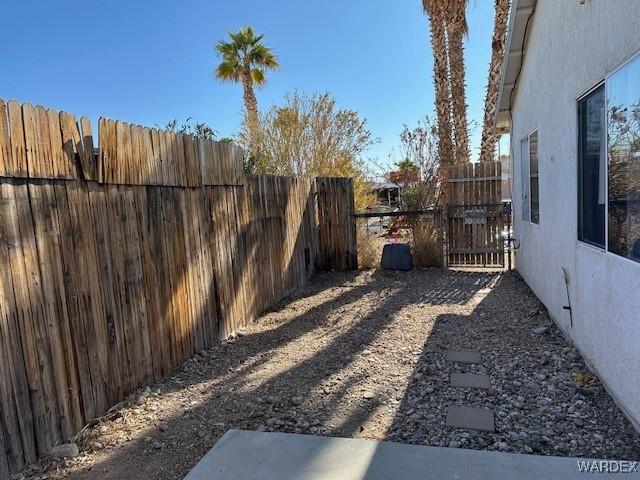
x=570 y=48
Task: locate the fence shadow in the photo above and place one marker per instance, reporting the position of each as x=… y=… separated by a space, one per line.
x=244 y=393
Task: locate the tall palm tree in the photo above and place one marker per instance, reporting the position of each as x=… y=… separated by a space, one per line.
x=489 y=138
x=436 y=11
x=456 y=31
x=246 y=59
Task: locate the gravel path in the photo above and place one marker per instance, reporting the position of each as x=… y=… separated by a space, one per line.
x=363 y=355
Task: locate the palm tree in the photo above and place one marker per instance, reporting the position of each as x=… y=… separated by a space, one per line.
x=489 y=138
x=436 y=11
x=246 y=59
x=456 y=25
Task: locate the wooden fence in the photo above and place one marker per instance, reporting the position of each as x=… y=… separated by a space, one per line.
x=115 y=268
x=474 y=215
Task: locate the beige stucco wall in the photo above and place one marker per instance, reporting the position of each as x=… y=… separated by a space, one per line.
x=572 y=47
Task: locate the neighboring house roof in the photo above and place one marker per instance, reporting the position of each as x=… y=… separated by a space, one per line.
x=384 y=186
x=412 y=175
x=521 y=12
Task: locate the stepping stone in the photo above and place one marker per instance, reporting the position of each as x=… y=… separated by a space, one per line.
x=470 y=418
x=470 y=380
x=464 y=356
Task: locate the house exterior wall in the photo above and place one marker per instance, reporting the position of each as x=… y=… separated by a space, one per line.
x=571 y=48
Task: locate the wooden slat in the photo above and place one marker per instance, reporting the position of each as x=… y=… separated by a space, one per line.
x=76 y=304
x=159 y=303
x=54 y=310
x=88 y=160
x=14 y=389
x=29 y=299
x=156 y=158
x=34 y=166
x=169 y=207
x=71 y=143
x=104 y=272
x=18 y=149
x=191 y=297
x=7 y=167
x=43 y=138
x=121 y=341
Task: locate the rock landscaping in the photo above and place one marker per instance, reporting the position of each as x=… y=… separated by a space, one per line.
x=365 y=355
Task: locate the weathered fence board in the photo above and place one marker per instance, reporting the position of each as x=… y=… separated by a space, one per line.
x=135 y=155
x=337 y=236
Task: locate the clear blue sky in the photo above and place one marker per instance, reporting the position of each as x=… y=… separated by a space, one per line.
x=148 y=62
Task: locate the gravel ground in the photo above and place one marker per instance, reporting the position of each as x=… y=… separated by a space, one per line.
x=362 y=355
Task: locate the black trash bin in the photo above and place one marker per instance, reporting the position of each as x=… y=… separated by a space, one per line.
x=396 y=256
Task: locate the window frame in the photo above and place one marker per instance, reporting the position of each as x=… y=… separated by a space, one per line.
x=603 y=248
x=526 y=179
x=604 y=83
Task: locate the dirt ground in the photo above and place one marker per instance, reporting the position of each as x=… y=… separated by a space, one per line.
x=362 y=355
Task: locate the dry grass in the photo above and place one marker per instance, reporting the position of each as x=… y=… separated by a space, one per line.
x=426 y=245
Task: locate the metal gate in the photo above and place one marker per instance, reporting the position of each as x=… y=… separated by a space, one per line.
x=475 y=233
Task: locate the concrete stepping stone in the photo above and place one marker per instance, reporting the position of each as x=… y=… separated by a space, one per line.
x=463 y=356
x=470 y=418
x=470 y=380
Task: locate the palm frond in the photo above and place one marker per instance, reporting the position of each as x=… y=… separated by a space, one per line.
x=258 y=77
x=228 y=71
x=244 y=51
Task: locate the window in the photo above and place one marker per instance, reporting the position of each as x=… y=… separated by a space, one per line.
x=623 y=152
x=591 y=168
x=609 y=164
x=524 y=155
x=530 y=189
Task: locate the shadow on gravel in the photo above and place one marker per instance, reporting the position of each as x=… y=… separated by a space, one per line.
x=532 y=381
x=199 y=427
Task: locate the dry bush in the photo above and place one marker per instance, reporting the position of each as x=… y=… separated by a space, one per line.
x=426 y=246
x=310 y=135
x=369 y=246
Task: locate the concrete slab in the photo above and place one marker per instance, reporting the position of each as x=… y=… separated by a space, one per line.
x=463 y=356
x=470 y=380
x=240 y=455
x=470 y=418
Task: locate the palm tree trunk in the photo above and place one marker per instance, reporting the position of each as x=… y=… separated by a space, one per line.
x=458 y=92
x=489 y=138
x=251 y=108
x=441 y=81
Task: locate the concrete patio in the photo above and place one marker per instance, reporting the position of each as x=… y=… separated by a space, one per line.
x=242 y=455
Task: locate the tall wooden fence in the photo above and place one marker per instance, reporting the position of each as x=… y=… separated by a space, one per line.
x=116 y=267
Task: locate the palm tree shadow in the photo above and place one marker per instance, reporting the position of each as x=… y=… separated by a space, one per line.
x=306 y=380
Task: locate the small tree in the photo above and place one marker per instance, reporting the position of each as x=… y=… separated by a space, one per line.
x=198 y=129
x=311 y=136
x=420 y=147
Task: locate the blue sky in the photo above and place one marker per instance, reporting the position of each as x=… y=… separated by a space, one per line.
x=148 y=62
